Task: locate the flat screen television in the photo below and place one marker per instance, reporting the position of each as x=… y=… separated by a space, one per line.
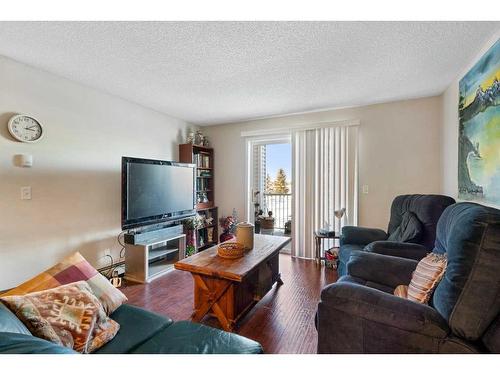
x=155 y=191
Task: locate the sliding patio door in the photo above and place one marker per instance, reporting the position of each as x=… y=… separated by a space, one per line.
x=267 y=156
x=325 y=180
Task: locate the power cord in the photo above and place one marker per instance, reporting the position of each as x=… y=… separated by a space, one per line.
x=111 y=267
x=120 y=242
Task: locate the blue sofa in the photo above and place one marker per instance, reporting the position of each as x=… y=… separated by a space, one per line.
x=425 y=209
x=359 y=314
x=141 y=332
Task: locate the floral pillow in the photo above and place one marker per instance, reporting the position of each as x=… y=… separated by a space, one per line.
x=69 y=315
x=72 y=269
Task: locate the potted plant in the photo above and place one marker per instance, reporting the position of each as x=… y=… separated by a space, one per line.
x=228 y=225
x=267 y=222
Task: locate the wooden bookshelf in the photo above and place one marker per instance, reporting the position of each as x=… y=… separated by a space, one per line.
x=203 y=157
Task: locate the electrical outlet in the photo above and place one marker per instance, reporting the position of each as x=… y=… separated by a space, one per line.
x=25 y=193
x=365 y=189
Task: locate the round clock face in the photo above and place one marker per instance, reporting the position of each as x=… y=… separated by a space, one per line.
x=25 y=128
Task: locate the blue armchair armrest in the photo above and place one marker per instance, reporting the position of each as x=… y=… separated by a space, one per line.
x=361 y=236
x=382 y=269
x=357 y=319
x=398 y=249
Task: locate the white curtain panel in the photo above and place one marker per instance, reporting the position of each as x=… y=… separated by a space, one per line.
x=325 y=180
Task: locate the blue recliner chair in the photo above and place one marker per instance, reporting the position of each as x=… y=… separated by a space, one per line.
x=359 y=313
x=413 y=221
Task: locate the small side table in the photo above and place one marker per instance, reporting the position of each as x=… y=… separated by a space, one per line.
x=318 y=240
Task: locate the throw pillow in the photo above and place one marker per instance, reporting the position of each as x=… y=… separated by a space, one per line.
x=74 y=268
x=410 y=229
x=429 y=272
x=401 y=291
x=69 y=315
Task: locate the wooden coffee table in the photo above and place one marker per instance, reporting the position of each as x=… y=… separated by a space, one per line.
x=229 y=288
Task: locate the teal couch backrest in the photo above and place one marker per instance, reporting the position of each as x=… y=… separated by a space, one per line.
x=468 y=295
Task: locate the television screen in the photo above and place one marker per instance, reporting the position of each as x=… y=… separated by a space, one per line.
x=155 y=191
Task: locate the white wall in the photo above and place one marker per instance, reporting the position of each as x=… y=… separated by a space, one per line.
x=399 y=153
x=449 y=157
x=75 y=179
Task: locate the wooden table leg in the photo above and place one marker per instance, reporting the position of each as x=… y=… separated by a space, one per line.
x=318 y=249
x=208 y=301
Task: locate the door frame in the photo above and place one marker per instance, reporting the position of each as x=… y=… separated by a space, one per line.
x=250 y=142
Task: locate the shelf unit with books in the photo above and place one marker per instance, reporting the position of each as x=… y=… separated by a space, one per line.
x=203 y=158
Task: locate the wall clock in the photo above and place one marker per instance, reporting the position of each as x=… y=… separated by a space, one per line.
x=25 y=128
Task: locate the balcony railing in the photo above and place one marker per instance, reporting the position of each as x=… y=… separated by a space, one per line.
x=281 y=206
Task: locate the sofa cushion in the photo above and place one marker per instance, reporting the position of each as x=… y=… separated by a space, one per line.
x=71 y=269
x=364 y=305
x=69 y=315
x=409 y=230
x=16 y=343
x=136 y=326
x=9 y=322
x=467 y=296
x=491 y=338
x=370 y=284
x=191 y=338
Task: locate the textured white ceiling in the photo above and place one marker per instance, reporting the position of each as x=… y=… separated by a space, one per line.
x=220 y=72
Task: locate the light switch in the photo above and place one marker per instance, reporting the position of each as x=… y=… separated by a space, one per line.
x=26 y=160
x=365 y=189
x=25 y=193
x=23 y=160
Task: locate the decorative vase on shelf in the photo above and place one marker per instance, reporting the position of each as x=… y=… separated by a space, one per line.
x=190 y=137
x=226 y=236
x=198 y=138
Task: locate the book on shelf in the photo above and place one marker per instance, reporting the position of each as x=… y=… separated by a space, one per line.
x=202 y=160
x=203 y=173
x=202 y=185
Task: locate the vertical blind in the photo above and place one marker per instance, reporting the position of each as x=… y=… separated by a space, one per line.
x=325 y=180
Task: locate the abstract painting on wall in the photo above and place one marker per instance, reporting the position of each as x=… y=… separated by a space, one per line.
x=479 y=130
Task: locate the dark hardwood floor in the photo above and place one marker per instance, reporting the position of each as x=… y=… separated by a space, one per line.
x=283 y=321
